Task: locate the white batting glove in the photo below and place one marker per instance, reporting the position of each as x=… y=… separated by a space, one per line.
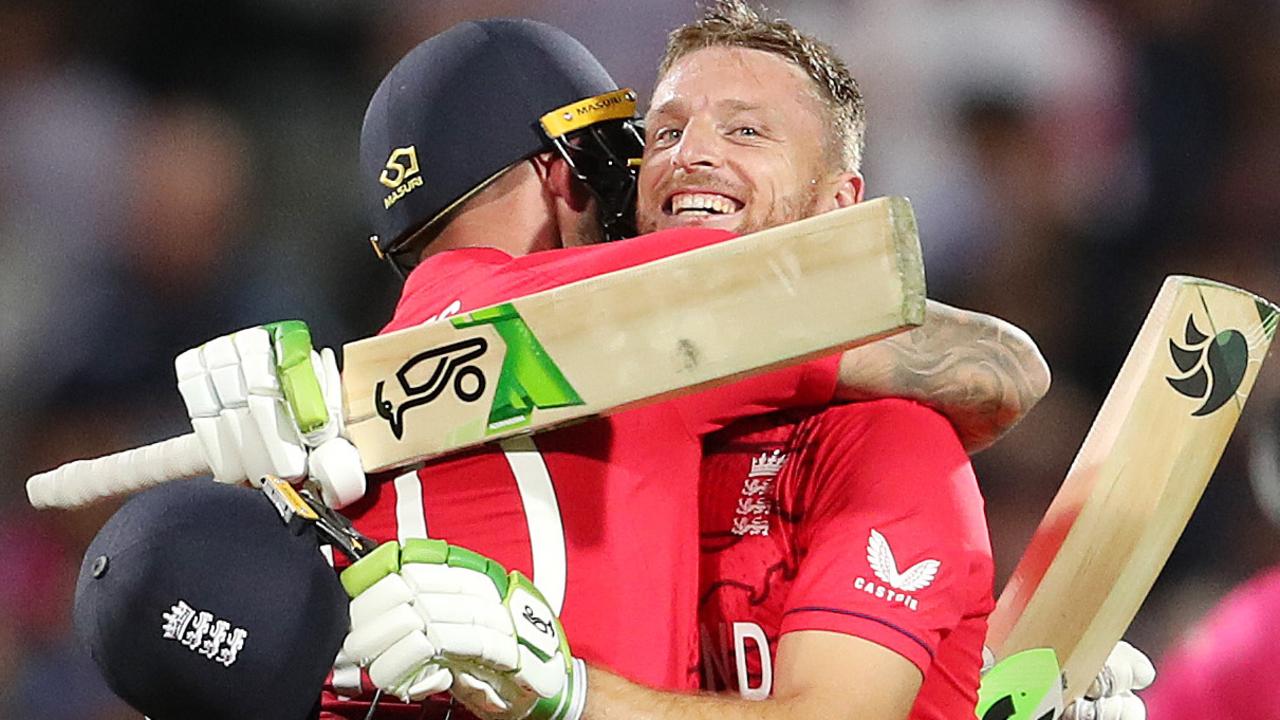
x=263 y=402
x=428 y=616
x=1111 y=696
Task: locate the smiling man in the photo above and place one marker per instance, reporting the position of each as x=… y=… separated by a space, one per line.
x=844 y=543
x=838 y=544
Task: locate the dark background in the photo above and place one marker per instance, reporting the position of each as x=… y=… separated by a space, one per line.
x=169 y=173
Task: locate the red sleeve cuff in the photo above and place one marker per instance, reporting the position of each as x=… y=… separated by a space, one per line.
x=820 y=381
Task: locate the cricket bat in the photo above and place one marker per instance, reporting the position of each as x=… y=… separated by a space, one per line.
x=593 y=347
x=1136 y=480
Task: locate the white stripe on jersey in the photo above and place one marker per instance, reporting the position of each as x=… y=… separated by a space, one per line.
x=411 y=517
x=542 y=513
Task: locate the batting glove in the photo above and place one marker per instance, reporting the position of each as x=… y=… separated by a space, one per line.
x=263 y=402
x=429 y=616
x=1028 y=686
x=1111 y=695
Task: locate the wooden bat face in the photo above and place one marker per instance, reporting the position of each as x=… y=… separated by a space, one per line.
x=637 y=335
x=1137 y=478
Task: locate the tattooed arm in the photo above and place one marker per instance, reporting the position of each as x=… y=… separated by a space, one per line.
x=983 y=373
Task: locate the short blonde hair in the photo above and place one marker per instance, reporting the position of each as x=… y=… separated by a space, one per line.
x=734 y=23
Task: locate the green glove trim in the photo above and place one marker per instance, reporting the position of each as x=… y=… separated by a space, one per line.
x=291 y=340
x=1023 y=686
x=420 y=550
x=383 y=561
x=553 y=708
x=557 y=707
x=464 y=558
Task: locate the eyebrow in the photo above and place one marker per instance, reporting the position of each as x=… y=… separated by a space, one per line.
x=674 y=105
x=666 y=108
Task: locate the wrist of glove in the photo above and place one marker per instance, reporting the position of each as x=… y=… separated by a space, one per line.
x=263 y=402
x=1028 y=686
x=1111 y=695
x=427 y=616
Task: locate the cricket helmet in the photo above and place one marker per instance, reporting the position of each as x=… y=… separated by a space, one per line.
x=199 y=601
x=465 y=105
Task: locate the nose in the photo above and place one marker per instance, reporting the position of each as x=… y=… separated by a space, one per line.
x=698 y=148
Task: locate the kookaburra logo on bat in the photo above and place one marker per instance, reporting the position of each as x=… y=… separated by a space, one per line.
x=1212 y=367
x=446 y=367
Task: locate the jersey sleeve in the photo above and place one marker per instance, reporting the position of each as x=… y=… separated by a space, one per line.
x=892 y=539
x=567 y=265
x=810 y=384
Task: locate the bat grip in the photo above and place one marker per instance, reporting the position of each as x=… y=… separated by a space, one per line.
x=84 y=481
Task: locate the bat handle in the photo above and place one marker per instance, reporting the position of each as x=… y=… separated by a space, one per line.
x=84 y=481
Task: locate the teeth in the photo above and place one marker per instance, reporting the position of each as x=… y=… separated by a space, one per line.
x=703 y=202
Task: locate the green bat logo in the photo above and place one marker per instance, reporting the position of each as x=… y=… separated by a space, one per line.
x=529 y=378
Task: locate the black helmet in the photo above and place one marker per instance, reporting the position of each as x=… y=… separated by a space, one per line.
x=465 y=105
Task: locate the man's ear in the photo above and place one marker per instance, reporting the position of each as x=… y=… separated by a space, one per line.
x=561 y=182
x=849 y=189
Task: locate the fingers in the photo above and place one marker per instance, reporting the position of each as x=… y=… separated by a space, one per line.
x=233 y=398
x=376 y=637
x=428 y=680
x=425 y=626
x=470 y=642
x=379 y=598
x=331 y=384
x=407 y=655
x=1127 y=669
x=478 y=693
x=463 y=613
x=336 y=467
x=1122 y=707
x=450 y=580
x=1138 y=671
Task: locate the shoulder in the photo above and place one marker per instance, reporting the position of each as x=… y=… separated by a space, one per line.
x=605 y=257
x=892 y=424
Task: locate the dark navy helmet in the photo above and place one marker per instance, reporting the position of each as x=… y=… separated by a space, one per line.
x=465 y=105
x=198 y=601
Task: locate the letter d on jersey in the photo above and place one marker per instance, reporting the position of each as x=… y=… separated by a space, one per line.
x=741 y=632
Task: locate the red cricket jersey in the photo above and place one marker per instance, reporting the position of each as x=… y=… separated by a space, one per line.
x=862 y=519
x=602 y=515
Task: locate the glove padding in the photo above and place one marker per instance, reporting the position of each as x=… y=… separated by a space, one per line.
x=429 y=616
x=263 y=402
x=1028 y=685
x=1111 y=695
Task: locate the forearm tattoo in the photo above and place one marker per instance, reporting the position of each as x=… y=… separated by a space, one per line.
x=983 y=373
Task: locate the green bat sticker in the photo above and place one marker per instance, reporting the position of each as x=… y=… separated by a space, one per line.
x=529 y=379
x=1024 y=686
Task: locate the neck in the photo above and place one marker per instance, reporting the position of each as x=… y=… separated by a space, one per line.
x=511 y=215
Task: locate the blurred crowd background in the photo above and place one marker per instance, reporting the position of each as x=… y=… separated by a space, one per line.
x=173 y=171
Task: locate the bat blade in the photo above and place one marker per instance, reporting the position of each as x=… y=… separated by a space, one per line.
x=593 y=347
x=1137 y=478
x=602 y=345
